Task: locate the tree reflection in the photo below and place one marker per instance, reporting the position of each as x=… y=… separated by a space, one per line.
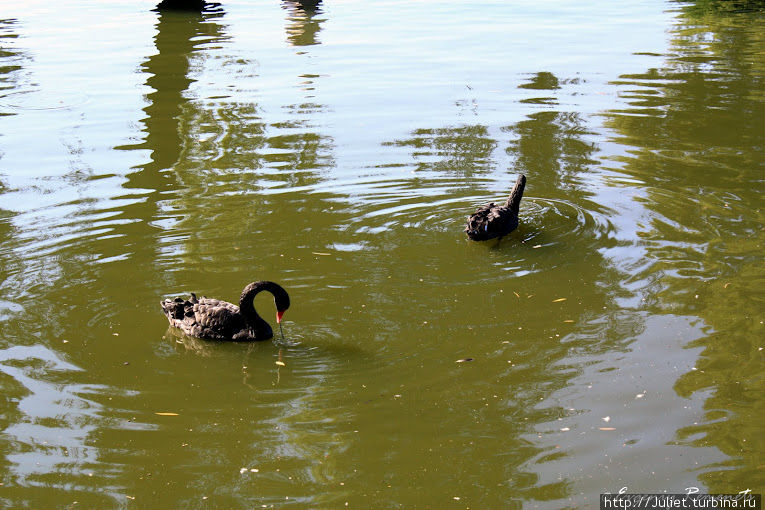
x=695 y=127
x=463 y=151
x=11 y=61
x=553 y=149
x=304 y=25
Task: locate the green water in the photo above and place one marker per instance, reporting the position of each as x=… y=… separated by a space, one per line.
x=614 y=340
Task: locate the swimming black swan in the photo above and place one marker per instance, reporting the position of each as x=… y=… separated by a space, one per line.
x=493 y=220
x=219 y=320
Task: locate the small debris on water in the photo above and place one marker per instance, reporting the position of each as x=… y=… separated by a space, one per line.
x=640 y=395
x=320 y=253
x=463 y=360
x=166 y=414
x=565 y=429
x=517 y=295
x=242 y=470
x=280 y=363
x=568 y=320
x=537 y=246
x=606 y=428
x=559 y=300
x=115 y=334
x=606 y=419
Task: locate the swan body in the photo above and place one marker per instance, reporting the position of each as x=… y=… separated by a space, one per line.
x=214 y=319
x=492 y=220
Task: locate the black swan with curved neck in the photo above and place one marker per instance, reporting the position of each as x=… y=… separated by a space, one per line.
x=214 y=319
x=494 y=220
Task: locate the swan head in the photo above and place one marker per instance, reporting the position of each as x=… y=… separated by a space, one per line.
x=281 y=300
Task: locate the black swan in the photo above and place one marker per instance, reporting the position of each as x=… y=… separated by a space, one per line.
x=220 y=320
x=494 y=220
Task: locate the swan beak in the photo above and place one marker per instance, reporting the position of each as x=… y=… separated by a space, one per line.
x=279 y=314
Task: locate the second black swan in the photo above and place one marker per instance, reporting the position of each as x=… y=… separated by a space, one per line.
x=214 y=319
x=492 y=220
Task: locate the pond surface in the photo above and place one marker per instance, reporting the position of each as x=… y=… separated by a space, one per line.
x=614 y=340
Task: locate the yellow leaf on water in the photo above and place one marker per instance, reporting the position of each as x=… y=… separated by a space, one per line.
x=166 y=414
x=280 y=363
x=517 y=295
x=606 y=428
x=559 y=300
x=568 y=320
x=319 y=253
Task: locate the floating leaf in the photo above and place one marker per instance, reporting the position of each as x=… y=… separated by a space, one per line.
x=517 y=295
x=166 y=414
x=537 y=246
x=559 y=300
x=319 y=253
x=565 y=429
x=463 y=360
x=606 y=428
x=568 y=320
x=280 y=363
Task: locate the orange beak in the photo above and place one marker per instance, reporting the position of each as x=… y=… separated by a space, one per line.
x=279 y=314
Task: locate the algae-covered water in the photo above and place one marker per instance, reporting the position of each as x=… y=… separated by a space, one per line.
x=614 y=340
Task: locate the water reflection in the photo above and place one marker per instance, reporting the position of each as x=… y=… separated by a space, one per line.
x=12 y=62
x=250 y=161
x=696 y=131
x=463 y=151
x=304 y=24
x=54 y=427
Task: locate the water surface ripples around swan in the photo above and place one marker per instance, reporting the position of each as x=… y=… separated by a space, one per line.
x=614 y=339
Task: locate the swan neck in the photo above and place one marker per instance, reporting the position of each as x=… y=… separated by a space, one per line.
x=514 y=200
x=247 y=304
